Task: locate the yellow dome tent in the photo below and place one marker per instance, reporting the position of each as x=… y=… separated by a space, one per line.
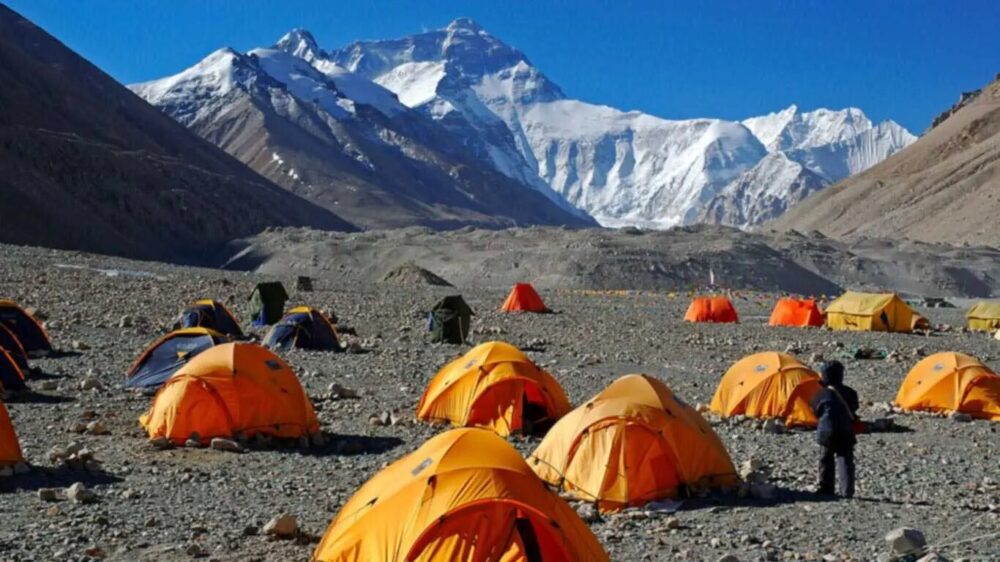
x=768 y=385
x=632 y=443
x=208 y=398
x=951 y=382
x=465 y=495
x=984 y=316
x=10 y=449
x=496 y=386
x=884 y=312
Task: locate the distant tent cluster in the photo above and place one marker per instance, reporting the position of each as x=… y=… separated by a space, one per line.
x=851 y=311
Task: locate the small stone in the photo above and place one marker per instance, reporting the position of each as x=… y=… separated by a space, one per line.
x=195 y=550
x=79 y=345
x=672 y=523
x=883 y=424
x=774 y=427
x=48 y=385
x=162 y=443
x=283 y=526
x=220 y=444
x=48 y=494
x=728 y=558
x=588 y=513
x=125 y=321
x=960 y=417
x=95 y=552
x=338 y=391
x=90 y=383
x=77 y=427
x=96 y=428
x=80 y=494
x=906 y=540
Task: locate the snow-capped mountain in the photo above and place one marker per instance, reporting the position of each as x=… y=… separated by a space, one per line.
x=343 y=141
x=808 y=151
x=506 y=118
x=624 y=168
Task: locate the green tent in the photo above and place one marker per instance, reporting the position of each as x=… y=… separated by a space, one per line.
x=267 y=303
x=450 y=321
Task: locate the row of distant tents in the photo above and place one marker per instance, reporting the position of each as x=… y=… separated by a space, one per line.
x=877 y=312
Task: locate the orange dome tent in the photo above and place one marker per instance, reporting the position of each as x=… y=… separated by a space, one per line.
x=802 y=313
x=208 y=398
x=10 y=449
x=631 y=444
x=768 y=385
x=951 y=382
x=711 y=309
x=465 y=495
x=523 y=298
x=496 y=386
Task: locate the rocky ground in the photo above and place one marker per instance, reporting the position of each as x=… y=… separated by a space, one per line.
x=932 y=473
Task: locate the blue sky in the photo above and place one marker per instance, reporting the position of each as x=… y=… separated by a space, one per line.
x=902 y=60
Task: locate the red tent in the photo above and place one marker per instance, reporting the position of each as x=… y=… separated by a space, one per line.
x=796 y=312
x=711 y=309
x=523 y=298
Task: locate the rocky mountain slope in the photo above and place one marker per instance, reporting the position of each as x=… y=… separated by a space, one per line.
x=944 y=187
x=676 y=259
x=624 y=168
x=85 y=164
x=344 y=142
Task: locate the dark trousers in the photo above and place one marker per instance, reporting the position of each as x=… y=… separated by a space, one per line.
x=837 y=458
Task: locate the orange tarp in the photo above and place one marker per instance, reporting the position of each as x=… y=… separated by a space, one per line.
x=951 y=382
x=494 y=385
x=768 y=385
x=10 y=449
x=465 y=495
x=523 y=298
x=802 y=313
x=631 y=444
x=230 y=388
x=711 y=309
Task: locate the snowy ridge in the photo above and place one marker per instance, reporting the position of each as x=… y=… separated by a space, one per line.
x=623 y=168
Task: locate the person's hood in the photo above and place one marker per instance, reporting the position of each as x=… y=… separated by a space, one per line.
x=832 y=374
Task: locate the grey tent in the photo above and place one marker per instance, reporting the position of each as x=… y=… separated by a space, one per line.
x=450 y=321
x=267 y=303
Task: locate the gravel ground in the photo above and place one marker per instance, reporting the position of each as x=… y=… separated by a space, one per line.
x=934 y=473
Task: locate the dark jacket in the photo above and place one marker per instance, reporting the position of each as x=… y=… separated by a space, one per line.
x=835 y=421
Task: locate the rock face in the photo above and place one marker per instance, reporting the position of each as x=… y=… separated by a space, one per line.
x=345 y=142
x=79 y=150
x=942 y=188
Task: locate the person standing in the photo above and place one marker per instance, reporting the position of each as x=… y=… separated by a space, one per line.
x=835 y=407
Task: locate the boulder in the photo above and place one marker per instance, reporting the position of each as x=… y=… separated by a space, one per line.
x=282 y=526
x=906 y=540
x=80 y=494
x=220 y=444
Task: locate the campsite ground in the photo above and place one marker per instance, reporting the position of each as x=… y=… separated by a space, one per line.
x=934 y=474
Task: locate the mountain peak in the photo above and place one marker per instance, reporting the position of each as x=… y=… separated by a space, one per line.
x=300 y=43
x=466 y=24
